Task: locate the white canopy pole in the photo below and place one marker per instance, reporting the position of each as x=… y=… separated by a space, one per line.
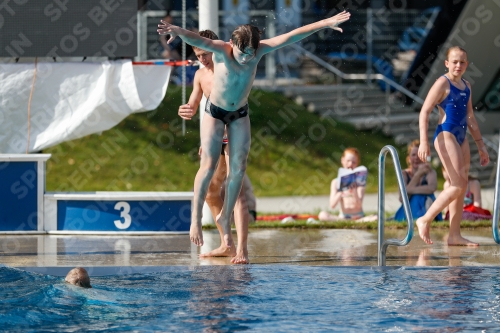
x=183 y=65
x=208 y=11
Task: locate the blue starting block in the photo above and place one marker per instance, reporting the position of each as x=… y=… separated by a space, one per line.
x=22 y=185
x=118 y=212
x=25 y=207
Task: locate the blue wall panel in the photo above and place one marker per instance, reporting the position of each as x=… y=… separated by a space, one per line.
x=18 y=196
x=144 y=215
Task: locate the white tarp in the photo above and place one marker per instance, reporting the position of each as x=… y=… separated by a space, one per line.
x=71 y=100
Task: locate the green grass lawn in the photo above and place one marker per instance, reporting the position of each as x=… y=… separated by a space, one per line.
x=293 y=151
x=349 y=224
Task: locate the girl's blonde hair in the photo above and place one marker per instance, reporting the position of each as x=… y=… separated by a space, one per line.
x=454 y=48
x=411 y=145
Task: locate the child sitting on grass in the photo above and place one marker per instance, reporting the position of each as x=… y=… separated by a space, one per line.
x=351 y=200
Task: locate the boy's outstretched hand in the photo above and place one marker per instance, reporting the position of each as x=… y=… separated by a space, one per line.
x=334 y=21
x=165 y=28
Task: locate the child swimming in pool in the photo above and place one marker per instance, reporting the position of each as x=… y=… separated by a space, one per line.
x=235 y=65
x=452 y=94
x=351 y=200
x=78 y=276
x=202 y=85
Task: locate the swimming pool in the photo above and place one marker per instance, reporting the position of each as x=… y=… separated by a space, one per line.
x=258 y=298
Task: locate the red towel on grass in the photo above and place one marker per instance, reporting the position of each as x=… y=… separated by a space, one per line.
x=282 y=216
x=473 y=213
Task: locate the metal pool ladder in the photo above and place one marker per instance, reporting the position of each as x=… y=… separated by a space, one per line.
x=382 y=245
x=494 y=226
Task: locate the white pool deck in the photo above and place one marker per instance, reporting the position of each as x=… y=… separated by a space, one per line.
x=295 y=246
x=307 y=247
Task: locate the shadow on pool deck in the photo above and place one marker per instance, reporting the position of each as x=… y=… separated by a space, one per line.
x=325 y=247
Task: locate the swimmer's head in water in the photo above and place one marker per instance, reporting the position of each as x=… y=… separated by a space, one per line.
x=79 y=277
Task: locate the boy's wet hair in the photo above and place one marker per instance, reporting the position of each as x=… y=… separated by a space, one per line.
x=207 y=34
x=79 y=277
x=246 y=35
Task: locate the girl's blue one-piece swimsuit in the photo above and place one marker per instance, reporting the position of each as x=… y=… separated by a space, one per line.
x=455 y=108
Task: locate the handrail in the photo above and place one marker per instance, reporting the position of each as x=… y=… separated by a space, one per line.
x=494 y=226
x=343 y=75
x=382 y=245
x=395 y=85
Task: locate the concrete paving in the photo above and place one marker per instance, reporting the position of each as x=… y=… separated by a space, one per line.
x=56 y=255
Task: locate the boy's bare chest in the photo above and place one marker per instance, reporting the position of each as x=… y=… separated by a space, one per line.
x=236 y=76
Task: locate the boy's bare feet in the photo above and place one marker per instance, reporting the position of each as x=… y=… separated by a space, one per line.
x=460 y=241
x=424 y=230
x=226 y=229
x=196 y=234
x=241 y=257
x=222 y=251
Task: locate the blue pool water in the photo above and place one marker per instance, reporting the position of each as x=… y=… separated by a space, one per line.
x=256 y=298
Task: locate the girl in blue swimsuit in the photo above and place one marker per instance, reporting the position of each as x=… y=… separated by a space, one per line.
x=452 y=95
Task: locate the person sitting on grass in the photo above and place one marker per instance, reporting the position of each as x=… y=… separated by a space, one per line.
x=421 y=183
x=351 y=200
x=472 y=200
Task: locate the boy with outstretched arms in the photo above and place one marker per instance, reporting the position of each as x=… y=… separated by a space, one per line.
x=202 y=85
x=235 y=65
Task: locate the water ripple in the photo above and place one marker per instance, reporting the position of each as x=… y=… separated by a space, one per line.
x=257 y=298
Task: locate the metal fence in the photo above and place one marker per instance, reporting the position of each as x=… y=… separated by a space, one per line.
x=373 y=40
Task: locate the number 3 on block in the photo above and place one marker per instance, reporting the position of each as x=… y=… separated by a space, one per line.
x=124 y=209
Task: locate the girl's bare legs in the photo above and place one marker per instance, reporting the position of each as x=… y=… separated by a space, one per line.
x=456 y=206
x=211 y=143
x=453 y=159
x=238 y=133
x=326 y=216
x=214 y=201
